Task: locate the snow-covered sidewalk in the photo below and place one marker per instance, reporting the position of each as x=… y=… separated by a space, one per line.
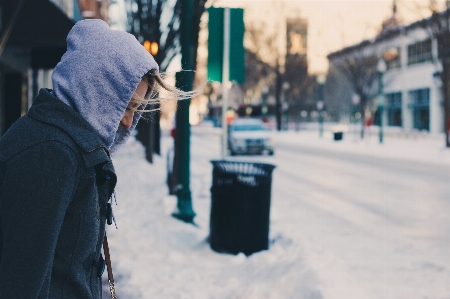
x=156 y=256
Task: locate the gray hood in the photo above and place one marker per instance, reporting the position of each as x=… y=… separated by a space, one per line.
x=98 y=74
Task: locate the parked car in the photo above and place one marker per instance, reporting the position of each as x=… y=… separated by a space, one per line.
x=249 y=136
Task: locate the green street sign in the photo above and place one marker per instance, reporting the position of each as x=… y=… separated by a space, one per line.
x=215 y=44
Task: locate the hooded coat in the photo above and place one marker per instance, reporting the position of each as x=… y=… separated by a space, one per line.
x=56 y=173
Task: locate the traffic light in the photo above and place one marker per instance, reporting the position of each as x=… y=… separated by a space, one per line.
x=151 y=47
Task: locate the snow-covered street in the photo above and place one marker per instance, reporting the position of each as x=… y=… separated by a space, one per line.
x=348 y=220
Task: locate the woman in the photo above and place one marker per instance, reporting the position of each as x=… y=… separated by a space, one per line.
x=56 y=173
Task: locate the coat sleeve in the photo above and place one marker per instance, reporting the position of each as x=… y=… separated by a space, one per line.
x=34 y=196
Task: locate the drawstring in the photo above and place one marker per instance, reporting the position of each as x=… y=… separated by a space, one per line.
x=113 y=195
x=112 y=287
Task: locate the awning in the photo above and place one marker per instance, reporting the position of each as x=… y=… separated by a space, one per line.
x=40 y=26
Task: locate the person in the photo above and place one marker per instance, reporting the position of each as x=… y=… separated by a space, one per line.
x=56 y=173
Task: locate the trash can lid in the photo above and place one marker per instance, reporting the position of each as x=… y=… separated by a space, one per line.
x=239 y=167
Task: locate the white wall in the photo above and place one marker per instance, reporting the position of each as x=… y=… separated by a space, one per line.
x=411 y=77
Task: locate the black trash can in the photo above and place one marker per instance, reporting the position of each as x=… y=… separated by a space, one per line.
x=338 y=135
x=240 y=206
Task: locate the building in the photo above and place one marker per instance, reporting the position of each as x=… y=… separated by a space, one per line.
x=32 y=40
x=296 y=39
x=295 y=78
x=413 y=98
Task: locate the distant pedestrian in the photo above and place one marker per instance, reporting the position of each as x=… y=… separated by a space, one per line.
x=56 y=173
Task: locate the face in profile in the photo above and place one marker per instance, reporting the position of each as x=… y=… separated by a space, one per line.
x=127 y=118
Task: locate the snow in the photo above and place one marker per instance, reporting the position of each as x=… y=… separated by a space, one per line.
x=157 y=256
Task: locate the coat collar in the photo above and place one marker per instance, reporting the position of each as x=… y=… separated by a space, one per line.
x=49 y=109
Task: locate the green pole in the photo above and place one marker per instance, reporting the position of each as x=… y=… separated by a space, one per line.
x=320 y=103
x=381 y=68
x=182 y=146
x=380 y=103
x=185 y=81
x=286 y=87
x=320 y=108
x=264 y=108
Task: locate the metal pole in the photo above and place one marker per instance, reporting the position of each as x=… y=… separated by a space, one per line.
x=184 y=81
x=264 y=108
x=320 y=103
x=286 y=87
x=445 y=83
x=225 y=79
x=320 y=108
x=277 y=96
x=380 y=103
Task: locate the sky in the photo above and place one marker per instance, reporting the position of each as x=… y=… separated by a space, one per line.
x=332 y=24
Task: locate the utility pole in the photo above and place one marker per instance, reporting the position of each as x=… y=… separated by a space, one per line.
x=381 y=69
x=278 y=83
x=445 y=61
x=185 y=81
x=225 y=79
x=321 y=79
x=440 y=29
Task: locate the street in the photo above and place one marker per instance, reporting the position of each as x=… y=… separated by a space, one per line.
x=147 y=85
x=368 y=227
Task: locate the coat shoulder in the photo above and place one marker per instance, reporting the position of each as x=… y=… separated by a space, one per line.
x=27 y=133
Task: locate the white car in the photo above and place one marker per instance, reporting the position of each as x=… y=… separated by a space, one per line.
x=249 y=136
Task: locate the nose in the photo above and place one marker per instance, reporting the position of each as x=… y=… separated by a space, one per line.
x=127 y=119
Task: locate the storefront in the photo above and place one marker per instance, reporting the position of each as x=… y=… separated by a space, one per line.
x=32 y=38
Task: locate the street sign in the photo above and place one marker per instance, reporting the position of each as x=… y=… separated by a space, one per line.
x=216 y=40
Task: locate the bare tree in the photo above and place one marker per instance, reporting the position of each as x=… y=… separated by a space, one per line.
x=360 y=71
x=302 y=87
x=159 y=21
x=266 y=55
x=438 y=26
x=260 y=68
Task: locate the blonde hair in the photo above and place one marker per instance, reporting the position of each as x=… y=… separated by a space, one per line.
x=156 y=84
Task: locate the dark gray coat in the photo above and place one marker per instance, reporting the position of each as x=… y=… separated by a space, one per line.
x=56 y=178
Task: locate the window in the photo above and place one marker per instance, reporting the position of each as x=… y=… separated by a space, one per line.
x=392 y=58
x=443 y=50
x=419 y=98
x=419 y=102
x=419 y=52
x=394 y=109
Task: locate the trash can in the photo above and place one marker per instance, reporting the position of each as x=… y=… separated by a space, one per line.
x=338 y=135
x=240 y=206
